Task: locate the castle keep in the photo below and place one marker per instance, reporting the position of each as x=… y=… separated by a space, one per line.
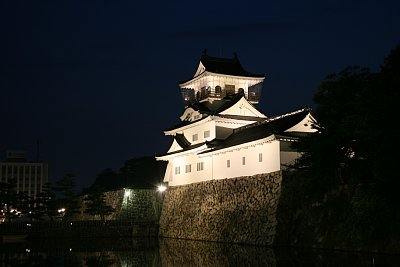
x=224 y=165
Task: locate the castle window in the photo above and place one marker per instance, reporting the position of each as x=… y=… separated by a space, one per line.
x=229 y=89
x=228 y=163
x=206 y=134
x=243 y=160
x=195 y=137
x=260 y=157
x=218 y=90
x=188 y=168
x=177 y=170
x=200 y=166
x=203 y=92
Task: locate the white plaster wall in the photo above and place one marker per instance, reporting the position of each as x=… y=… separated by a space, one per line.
x=304 y=126
x=243 y=108
x=192 y=177
x=174 y=147
x=199 y=130
x=270 y=161
x=215 y=166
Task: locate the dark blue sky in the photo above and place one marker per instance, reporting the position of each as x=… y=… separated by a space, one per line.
x=97 y=83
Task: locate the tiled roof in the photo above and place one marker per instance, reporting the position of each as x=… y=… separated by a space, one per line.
x=182 y=124
x=256 y=131
x=259 y=130
x=212 y=108
x=217 y=106
x=182 y=141
x=229 y=66
x=185 y=149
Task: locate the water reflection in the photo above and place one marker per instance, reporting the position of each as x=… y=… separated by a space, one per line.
x=172 y=252
x=195 y=253
x=81 y=252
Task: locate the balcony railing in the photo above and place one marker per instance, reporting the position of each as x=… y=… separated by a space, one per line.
x=190 y=96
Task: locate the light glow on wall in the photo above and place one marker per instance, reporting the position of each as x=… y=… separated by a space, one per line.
x=161 y=188
x=127 y=192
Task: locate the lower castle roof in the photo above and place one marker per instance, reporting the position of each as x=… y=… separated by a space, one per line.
x=256 y=131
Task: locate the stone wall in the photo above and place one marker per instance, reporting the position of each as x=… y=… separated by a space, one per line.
x=142 y=205
x=235 y=210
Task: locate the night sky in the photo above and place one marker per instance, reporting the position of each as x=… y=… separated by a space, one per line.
x=97 y=83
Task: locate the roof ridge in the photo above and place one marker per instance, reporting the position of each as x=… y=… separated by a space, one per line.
x=287 y=114
x=272 y=119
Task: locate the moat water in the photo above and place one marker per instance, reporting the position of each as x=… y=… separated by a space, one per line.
x=172 y=252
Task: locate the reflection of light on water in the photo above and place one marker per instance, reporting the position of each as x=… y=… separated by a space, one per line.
x=170 y=252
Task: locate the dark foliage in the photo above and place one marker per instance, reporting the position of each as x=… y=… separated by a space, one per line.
x=353 y=148
x=96 y=203
x=143 y=172
x=67 y=198
x=45 y=204
x=8 y=198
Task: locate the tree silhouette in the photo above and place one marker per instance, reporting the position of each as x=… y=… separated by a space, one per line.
x=68 y=198
x=45 y=203
x=96 y=204
x=356 y=112
x=8 y=198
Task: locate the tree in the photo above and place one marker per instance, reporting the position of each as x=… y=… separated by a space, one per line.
x=385 y=134
x=8 y=197
x=96 y=204
x=45 y=203
x=108 y=179
x=338 y=153
x=25 y=203
x=68 y=199
x=143 y=172
x=356 y=112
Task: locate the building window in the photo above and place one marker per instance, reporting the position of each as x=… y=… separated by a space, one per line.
x=228 y=163
x=188 y=168
x=206 y=134
x=260 y=157
x=177 y=170
x=218 y=90
x=229 y=89
x=243 y=160
x=195 y=137
x=200 y=166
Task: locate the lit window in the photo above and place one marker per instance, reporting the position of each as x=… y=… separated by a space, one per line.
x=200 y=166
x=188 y=168
x=195 y=137
x=243 y=160
x=228 y=163
x=260 y=157
x=177 y=170
x=206 y=134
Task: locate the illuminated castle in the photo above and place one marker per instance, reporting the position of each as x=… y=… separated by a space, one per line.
x=221 y=134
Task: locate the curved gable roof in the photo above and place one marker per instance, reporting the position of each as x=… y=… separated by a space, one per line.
x=228 y=66
x=215 y=108
x=259 y=130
